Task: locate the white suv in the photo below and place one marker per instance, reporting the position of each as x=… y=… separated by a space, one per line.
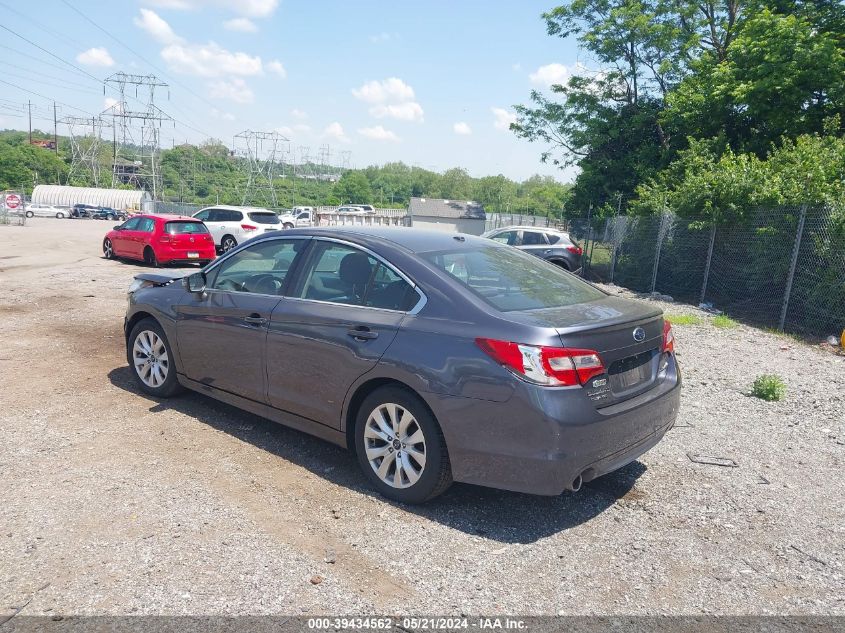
x=232 y=225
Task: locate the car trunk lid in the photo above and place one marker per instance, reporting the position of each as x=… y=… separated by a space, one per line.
x=627 y=335
x=188 y=236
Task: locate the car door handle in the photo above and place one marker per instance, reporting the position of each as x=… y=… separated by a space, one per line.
x=547 y=251
x=255 y=319
x=362 y=334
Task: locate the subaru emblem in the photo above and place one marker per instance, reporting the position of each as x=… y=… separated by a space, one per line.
x=639 y=335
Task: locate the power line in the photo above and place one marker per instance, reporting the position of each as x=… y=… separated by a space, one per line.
x=64 y=61
x=38 y=94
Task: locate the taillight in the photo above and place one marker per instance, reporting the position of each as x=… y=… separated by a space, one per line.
x=553 y=366
x=249 y=227
x=575 y=249
x=164 y=239
x=668 y=337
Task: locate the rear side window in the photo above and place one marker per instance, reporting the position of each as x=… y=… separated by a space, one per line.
x=263 y=218
x=532 y=238
x=233 y=216
x=185 y=228
x=146 y=225
x=509 y=279
x=553 y=238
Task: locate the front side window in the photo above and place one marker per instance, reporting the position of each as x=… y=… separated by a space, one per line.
x=202 y=216
x=130 y=225
x=506 y=237
x=344 y=274
x=146 y=225
x=509 y=279
x=261 y=268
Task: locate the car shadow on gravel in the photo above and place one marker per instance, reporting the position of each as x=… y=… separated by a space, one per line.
x=508 y=517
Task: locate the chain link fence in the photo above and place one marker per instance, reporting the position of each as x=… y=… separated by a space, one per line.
x=12 y=208
x=781 y=268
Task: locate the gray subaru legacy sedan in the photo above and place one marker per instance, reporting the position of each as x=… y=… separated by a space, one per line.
x=434 y=357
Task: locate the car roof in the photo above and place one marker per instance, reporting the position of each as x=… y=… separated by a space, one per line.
x=542 y=229
x=415 y=240
x=230 y=207
x=165 y=217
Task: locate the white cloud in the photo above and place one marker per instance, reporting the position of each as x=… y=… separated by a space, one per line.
x=277 y=68
x=335 y=131
x=226 y=116
x=296 y=113
x=391 y=98
x=97 y=56
x=241 y=25
x=380 y=37
x=209 y=60
x=250 y=8
x=391 y=90
x=234 y=89
x=550 y=74
x=156 y=27
x=462 y=128
x=409 y=111
x=503 y=118
x=378 y=133
x=516 y=67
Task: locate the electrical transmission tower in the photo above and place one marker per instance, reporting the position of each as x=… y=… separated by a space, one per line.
x=345 y=160
x=323 y=158
x=86 y=142
x=137 y=132
x=261 y=153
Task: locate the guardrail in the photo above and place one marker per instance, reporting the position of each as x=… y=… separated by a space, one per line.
x=341 y=219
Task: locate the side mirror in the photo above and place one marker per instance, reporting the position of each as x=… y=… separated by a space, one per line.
x=195 y=282
x=118 y=227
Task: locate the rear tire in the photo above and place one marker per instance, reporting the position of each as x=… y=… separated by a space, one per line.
x=394 y=426
x=150 y=257
x=150 y=359
x=228 y=243
x=108 y=249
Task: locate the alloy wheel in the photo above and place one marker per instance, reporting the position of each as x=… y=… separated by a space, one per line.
x=108 y=250
x=150 y=359
x=229 y=244
x=395 y=445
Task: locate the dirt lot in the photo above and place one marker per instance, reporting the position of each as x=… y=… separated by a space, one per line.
x=114 y=503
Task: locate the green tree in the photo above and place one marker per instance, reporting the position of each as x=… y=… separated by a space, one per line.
x=353 y=187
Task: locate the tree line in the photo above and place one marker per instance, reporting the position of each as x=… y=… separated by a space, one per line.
x=208 y=173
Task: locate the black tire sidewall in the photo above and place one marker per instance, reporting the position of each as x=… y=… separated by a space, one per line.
x=428 y=482
x=171 y=383
x=106 y=255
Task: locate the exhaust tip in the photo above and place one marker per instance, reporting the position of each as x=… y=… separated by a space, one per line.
x=576 y=484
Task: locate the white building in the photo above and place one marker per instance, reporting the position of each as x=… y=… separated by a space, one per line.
x=63 y=196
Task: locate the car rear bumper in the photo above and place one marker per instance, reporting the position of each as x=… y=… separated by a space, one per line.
x=540 y=441
x=180 y=256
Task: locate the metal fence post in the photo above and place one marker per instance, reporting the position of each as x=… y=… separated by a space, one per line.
x=791 y=277
x=663 y=217
x=707 y=267
x=614 y=240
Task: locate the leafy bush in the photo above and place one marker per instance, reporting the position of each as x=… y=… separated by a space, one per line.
x=769 y=387
x=683 y=319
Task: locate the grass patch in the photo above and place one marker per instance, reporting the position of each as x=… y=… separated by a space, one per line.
x=683 y=319
x=725 y=322
x=769 y=387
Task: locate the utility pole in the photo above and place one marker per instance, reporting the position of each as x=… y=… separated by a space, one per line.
x=29 y=107
x=55 y=130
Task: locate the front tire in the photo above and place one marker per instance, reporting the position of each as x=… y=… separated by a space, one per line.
x=287 y=225
x=150 y=359
x=228 y=243
x=60 y=215
x=400 y=446
x=108 y=249
x=30 y=214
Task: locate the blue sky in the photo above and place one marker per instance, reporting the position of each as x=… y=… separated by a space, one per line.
x=429 y=83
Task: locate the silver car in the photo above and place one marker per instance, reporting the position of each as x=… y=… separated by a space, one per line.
x=46 y=211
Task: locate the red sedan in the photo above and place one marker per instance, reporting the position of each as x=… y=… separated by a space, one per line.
x=160 y=239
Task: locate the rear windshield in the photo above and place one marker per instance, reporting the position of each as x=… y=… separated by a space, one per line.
x=184 y=227
x=509 y=279
x=263 y=218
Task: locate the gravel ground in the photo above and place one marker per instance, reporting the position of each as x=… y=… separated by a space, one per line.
x=115 y=503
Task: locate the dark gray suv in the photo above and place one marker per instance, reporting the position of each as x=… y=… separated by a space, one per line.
x=549 y=244
x=432 y=356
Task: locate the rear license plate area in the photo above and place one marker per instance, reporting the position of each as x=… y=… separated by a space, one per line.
x=631 y=372
x=193 y=255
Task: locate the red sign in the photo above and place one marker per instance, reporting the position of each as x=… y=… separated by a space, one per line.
x=13 y=200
